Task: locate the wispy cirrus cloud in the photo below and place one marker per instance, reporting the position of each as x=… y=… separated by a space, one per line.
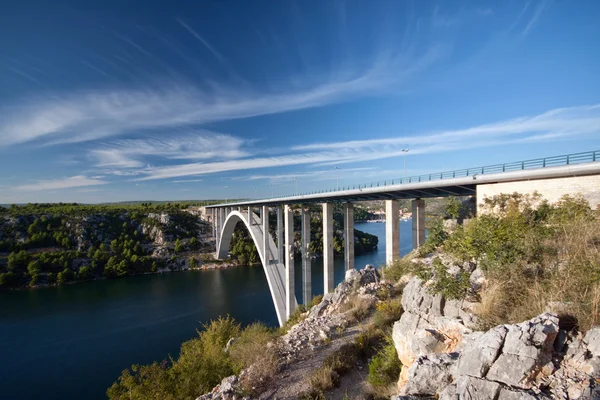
x=199 y=145
x=558 y=124
x=312 y=175
x=94 y=114
x=62 y=183
x=561 y=122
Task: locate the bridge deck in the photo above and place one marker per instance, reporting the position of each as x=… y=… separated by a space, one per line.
x=436 y=186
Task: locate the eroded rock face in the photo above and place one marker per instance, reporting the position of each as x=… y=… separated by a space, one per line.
x=226 y=390
x=324 y=319
x=443 y=357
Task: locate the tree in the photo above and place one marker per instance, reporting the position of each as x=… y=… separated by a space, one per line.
x=18 y=261
x=194 y=243
x=33 y=268
x=452 y=208
x=110 y=270
x=8 y=279
x=193 y=263
x=115 y=246
x=178 y=246
x=85 y=273
x=65 y=275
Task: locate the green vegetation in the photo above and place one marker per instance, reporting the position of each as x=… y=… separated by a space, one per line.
x=60 y=243
x=384 y=367
x=534 y=255
x=202 y=364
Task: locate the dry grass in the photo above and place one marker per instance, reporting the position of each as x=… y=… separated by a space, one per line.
x=565 y=279
x=359 y=307
x=253 y=349
x=324 y=378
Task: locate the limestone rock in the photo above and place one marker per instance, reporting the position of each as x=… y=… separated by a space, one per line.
x=477 y=279
x=527 y=347
x=470 y=388
x=226 y=390
x=478 y=356
x=430 y=374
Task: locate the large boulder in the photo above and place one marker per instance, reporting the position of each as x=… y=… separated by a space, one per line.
x=526 y=352
x=430 y=374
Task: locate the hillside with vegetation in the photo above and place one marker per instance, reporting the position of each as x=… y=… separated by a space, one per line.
x=59 y=243
x=52 y=244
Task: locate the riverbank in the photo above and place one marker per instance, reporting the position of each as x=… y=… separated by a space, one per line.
x=96 y=330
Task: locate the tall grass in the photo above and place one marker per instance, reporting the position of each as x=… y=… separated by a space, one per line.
x=537 y=257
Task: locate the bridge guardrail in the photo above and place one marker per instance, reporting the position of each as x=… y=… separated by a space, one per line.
x=554 y=161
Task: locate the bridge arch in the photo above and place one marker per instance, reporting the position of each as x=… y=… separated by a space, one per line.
x=274 y=270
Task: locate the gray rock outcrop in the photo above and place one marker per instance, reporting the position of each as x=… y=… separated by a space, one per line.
x=444 y=358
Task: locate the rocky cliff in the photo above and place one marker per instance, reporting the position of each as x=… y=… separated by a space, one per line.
x=444 y=357
x=443 y=354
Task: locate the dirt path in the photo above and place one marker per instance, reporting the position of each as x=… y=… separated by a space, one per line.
x=294 y=379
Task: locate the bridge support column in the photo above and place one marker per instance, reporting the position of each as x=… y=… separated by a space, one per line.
x=289 y=262
x=213 y=219
x=265 y=228
x=418 y=222
x=392 y=231
x=349 y=235
x=250 y=219
x=327 y=247
x=280 y=239
x=306 y=262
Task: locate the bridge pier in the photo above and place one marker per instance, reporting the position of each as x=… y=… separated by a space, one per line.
x=265 y=227
x=327 y=247
x=418 y=223
x=280 y=239
x=306 y=261
x=392 y=231
x=290 y=286
x=349 y=235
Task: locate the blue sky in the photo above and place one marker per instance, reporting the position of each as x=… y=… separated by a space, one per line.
x=112 y=101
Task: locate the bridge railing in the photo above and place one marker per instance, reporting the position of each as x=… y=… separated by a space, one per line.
x=554 y=161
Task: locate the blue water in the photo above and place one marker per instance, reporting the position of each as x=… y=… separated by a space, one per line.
x=72 y=342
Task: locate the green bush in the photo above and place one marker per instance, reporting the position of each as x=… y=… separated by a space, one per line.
x=436 y=236
x=449 y=286
x=385 y=366
x=387 y=312
x=452 y=207
x=202 y=364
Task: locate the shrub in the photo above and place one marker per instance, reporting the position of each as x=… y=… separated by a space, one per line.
x=449 y=286
x=324 y=378
x=201 y=365
x=452 y=207
x=384 y=368
x=536 y=256
x=436 y=236
x=252 y=348
x=315 y=300
x=387 y=312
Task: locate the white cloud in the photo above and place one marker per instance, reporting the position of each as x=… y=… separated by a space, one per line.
x=202 y=145
x=558 y=124
x=94 y=114
x=319 y=175
x=63 y=183
x=187 y=180
x=579 y=121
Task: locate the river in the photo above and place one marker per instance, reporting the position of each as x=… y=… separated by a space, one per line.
x=72 y=341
